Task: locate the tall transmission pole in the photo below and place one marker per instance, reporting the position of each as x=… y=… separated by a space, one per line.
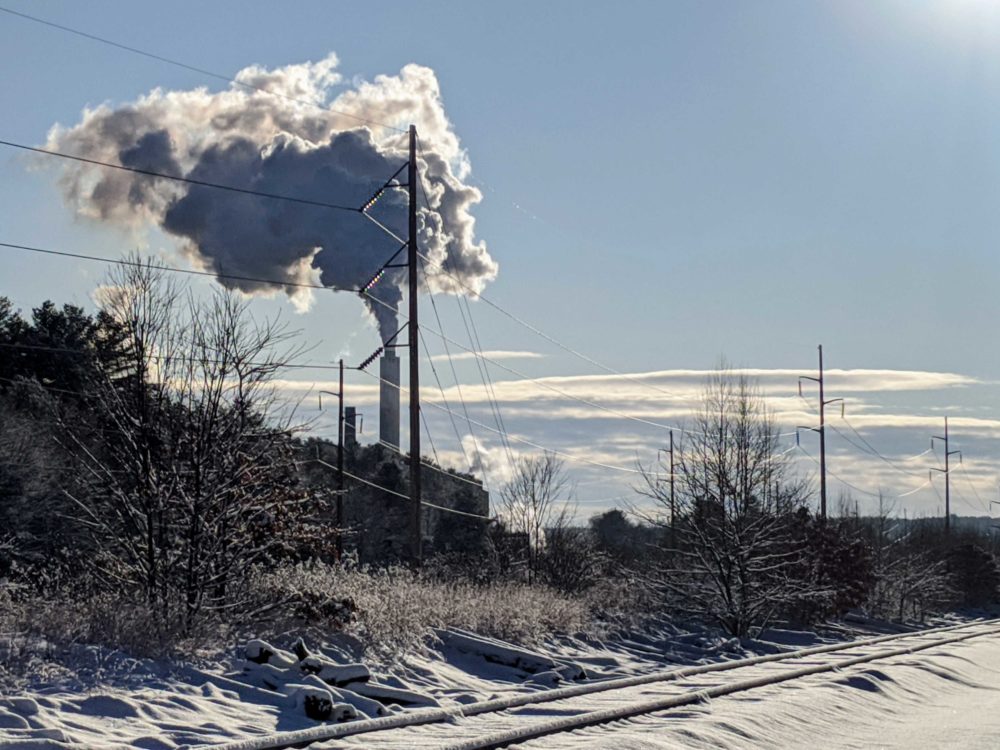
x=823 y=403
x=947 y=473
x=416 y=532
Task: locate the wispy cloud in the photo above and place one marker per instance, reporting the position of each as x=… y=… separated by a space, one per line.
x=625 y=421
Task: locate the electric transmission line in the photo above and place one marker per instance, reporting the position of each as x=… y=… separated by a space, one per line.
x=195 y=69
x=186 y=180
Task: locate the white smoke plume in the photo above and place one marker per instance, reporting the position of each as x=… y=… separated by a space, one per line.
x=287 y=135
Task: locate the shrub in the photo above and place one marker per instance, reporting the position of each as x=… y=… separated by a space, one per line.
x=394 y=609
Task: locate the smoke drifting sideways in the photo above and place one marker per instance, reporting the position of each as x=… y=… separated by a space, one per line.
x=286 y=135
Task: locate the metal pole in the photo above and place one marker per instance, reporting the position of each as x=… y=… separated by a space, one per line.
x=947 y=481
x=822 y=440
x=673 y=505
x=416 y=539
x=339 y=551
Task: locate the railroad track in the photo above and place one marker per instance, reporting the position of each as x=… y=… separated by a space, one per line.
x=486 y=725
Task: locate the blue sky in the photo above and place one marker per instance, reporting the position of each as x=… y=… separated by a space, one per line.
x=664 y=183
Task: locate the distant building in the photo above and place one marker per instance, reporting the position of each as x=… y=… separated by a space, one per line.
x=377 y=523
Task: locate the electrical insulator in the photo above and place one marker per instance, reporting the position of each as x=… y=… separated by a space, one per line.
x=371 y=359
x=373 y=200
x=371 y=282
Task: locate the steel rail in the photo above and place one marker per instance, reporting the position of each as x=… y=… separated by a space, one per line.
x=302 y=738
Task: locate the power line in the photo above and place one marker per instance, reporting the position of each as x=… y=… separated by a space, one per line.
x=178 y=178
x=490 y=398
x=567 y=456
x=202 y=71
x=537 y=381
x=442 y=508
x=484 y=370
x=173 y=269
x=968 y=481
x=175 y=358
x=540 y=383
x=866 y=492
x=872 y=452
x=538 y=332
x=437 y=379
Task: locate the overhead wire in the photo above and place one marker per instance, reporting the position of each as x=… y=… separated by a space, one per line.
x=444 y=398
x=474 y=341
x=195 y=69
x=425 y=503
x=494 y=407
x=554 y=451
x=862 y=491
x=873 y=453
x=537 y=381
x=972 y=486
x=187 y=180
x=172 y=269
x=552 y=340
x=875 y=450
x=243 y=84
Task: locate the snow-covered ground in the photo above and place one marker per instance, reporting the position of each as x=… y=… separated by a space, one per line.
x=946 y=698
x=106 y=700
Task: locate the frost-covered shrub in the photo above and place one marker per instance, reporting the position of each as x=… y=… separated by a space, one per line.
x=394 y=609
x=58 y=619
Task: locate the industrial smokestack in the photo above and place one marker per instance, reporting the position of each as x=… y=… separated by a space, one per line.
x=350 y=426
x=388 y=408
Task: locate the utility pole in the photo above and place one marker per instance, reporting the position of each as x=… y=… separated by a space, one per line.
x=822 y=439
x=416 y=539
x=339 y=548
x=673 y=503
x=947 y=474
x=339 y=506
x=823 y=403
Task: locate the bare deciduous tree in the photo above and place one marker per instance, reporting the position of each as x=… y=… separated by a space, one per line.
x=734 y=558
x=195 y=480
x=533 y=501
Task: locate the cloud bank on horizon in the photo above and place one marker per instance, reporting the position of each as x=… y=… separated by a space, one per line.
x=591 y=438
x=281 y=131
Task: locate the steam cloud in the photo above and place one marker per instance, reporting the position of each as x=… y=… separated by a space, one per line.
x=275 y=142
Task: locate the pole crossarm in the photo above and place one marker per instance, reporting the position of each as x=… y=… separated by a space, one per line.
x=390 y=183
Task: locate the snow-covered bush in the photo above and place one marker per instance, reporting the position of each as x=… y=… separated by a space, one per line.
x=395 y=609
x=47 y=623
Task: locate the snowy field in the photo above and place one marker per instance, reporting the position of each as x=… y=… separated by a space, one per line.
x=947 y=696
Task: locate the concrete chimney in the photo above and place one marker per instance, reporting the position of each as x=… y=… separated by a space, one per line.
x=388 y=409
x=350 y=426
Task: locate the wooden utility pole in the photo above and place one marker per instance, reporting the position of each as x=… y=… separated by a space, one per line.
x=416 y=531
